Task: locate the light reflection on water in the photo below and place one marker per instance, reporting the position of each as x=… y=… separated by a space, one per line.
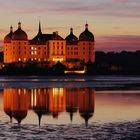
x=66 y=105
x=49 y=102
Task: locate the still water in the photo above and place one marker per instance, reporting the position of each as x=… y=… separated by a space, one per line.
x=67 y=108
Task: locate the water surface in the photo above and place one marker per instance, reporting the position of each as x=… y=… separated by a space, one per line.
x=81 y=107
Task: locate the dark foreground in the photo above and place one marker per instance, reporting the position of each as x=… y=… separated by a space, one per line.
x=110 y=131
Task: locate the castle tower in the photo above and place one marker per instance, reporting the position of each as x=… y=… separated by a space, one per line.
x=86 y=46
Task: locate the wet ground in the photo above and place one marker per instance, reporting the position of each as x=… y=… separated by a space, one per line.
x=109 y=131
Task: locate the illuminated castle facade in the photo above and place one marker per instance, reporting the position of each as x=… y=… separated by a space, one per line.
x=48 y=47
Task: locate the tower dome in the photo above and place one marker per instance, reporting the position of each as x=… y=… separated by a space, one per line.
x=86 y=35
x=71 y=39
x=8 y=37
x=19 y=34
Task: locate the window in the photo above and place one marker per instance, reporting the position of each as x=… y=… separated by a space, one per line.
x=61 y=47
x=38 y=52
x=19 y=47
x=25 y=43
x=13 y=48
x=39 y=48
x=83 y=53
x=18 y=42
x=19 y=52
x=24 y=52
x=58 y=47
x=83 y=43
x=83 y=48
x=44 y=48
x=61 y=52
x=45 y=53
x=25 y=48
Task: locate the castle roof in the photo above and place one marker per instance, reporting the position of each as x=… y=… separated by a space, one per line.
x=8 y=37
x=71 y=39
x=86 y=35
x=19 y=34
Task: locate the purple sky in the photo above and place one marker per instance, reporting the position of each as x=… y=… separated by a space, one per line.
x=115 y=23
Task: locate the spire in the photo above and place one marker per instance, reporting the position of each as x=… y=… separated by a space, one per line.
x=71 y=30
x=19 y=25
x=10 y=119
x=39 y=30
x=39 y=119
x=71 y=116
x=86 y=26
x=11 y=29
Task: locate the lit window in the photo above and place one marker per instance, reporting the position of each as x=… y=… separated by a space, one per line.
x=19 y=59
x=35 y=52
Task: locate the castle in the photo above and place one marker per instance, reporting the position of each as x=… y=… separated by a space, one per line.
x=48 y=47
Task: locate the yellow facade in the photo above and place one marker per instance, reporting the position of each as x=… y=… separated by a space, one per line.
x=48 y=47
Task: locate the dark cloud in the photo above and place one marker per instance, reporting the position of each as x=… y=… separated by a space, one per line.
x=118 y=43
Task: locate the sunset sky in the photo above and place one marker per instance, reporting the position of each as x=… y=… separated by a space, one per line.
x=115 y=23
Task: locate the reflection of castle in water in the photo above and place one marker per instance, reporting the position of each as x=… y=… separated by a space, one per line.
x=49 y=101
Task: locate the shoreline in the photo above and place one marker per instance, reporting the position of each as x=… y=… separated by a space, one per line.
x=114 y=131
